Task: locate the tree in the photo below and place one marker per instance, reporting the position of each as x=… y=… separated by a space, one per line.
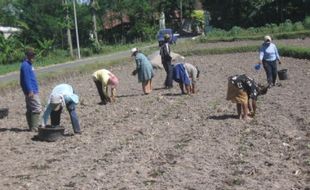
x=245 y=13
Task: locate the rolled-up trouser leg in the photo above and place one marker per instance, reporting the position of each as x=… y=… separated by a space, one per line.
x=74 y=118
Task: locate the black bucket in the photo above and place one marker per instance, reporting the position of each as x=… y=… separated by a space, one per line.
x=282 y=74
x=50 y=134
x=4 y=112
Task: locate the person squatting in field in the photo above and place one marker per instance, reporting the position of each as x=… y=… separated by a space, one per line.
x=103 y=79
x=186 y=75
x=268 y=55
x=244 y=91
x=62 y=95
x=30 y=87
x=144 y=69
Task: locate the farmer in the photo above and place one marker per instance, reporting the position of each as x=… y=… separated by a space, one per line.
x=243 y=91
x=61 y=96
x=268 y=55
x=166 y=58
x=29 y=84
x=104 y=78
x=186 y=75
x=144 y=69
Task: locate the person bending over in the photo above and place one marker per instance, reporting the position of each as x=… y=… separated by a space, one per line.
x=61 y=96
x=186 y=75
x=102 y=79
x=244 y=91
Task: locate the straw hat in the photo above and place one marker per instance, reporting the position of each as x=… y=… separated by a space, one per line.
x=133 y=50
x=267 y=38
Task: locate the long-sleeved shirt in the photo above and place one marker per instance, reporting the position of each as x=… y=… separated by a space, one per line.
x=144 y=68
x=67 y=94
x=103 y=76
x=192 y=72
x=165 y=52
x=28 y=79
x=268 y=52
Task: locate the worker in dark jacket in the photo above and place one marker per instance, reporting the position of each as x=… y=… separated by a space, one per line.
x=29 y=84
x=166 y=61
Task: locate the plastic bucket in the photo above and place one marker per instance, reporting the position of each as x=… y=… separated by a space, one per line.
x=282 y=74
x=50 y=134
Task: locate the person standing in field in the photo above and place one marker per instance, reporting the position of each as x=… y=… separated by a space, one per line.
x=30 y=87
x=166 y=58
x=269 y=56
x=104 y=78
x=144 y=69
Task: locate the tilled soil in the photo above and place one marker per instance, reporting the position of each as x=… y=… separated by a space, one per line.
x=166 y=140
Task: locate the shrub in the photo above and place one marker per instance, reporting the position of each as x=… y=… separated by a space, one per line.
x=307 y=22
x=298 y=26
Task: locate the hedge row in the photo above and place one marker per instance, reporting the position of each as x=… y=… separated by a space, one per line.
x=295 y=52
x=286 y=35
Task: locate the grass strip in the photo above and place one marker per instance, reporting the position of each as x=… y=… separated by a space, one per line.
x=63 y=73
x=295 y=52
x=284 y=35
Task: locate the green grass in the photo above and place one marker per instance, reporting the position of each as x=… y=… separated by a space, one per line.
x=62 y=56
x=47 y=77
x=295 y=52
x=229 y=38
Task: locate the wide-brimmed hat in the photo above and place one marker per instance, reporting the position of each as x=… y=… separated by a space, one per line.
x=133 y=50
x=267 y=38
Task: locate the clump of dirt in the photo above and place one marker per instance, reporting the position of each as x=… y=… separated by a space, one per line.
x=166 y=140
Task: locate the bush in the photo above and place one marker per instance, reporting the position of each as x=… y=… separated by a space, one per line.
x=307 y=22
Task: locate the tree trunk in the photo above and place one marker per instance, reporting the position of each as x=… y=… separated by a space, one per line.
x=69 y=38
x=93 y=12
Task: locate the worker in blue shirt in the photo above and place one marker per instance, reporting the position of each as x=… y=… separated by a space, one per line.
x=29 y=84
x=62 y=96
x=268 y=55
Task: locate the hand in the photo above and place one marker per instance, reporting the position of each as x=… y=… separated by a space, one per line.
x=112 y=99
x=279 y=62
x=251 y=114
x=30 y=95
x=134 y=72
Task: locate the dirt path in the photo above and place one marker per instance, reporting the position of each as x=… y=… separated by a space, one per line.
x=165 y=140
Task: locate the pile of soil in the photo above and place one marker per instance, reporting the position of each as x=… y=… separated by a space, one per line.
x=166 y=140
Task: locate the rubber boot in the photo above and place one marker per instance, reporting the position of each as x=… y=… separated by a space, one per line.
x=28 y=117
x=35 y=117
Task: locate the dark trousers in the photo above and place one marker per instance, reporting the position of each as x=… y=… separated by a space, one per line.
x=271 y=71
x=169 y=73
x=55 y=117
x=103 y=99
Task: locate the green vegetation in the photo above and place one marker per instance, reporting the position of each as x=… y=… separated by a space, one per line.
x=282 y=31
x=62 y=56
x=46 y=77
x=296 y=52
